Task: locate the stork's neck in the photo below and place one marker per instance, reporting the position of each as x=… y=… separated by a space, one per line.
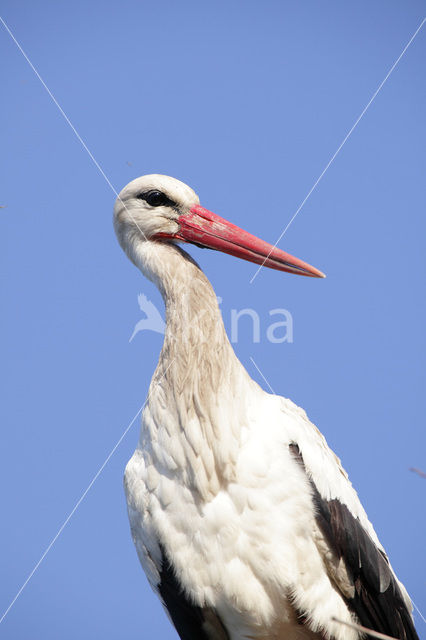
x=198 y=392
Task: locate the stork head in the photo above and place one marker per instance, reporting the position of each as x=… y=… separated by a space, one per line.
x=158 y=208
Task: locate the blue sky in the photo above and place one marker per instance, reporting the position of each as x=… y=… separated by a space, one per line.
x=246 y=102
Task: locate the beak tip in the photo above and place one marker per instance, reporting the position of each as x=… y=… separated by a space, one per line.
x=313 y=272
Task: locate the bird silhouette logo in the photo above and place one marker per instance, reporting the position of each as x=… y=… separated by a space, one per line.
x=153 y=320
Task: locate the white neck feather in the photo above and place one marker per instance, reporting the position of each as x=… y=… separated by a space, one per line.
x=196 y=407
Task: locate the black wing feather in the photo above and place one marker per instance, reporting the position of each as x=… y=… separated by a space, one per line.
x=378 y=601
x=191 y=621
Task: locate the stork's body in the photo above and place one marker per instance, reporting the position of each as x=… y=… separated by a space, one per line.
x=243 y=519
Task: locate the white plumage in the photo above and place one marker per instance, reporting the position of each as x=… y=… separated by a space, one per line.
x=243 y=519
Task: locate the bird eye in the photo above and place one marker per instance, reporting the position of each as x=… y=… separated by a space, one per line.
x=154 y=198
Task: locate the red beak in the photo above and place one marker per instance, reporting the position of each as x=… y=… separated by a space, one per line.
x=206 y=229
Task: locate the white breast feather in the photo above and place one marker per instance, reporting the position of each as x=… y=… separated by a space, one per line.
x=254 y=542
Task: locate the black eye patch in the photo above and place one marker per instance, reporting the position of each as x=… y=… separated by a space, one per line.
x=156 y=198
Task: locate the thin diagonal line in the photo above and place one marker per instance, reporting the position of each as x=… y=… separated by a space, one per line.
x=271 y=389
x=333 y=157
x=418 y=610
x=74 y=130
x=68 y=518
x=359 y=627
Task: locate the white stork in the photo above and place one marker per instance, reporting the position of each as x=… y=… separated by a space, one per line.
x=244 y=520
